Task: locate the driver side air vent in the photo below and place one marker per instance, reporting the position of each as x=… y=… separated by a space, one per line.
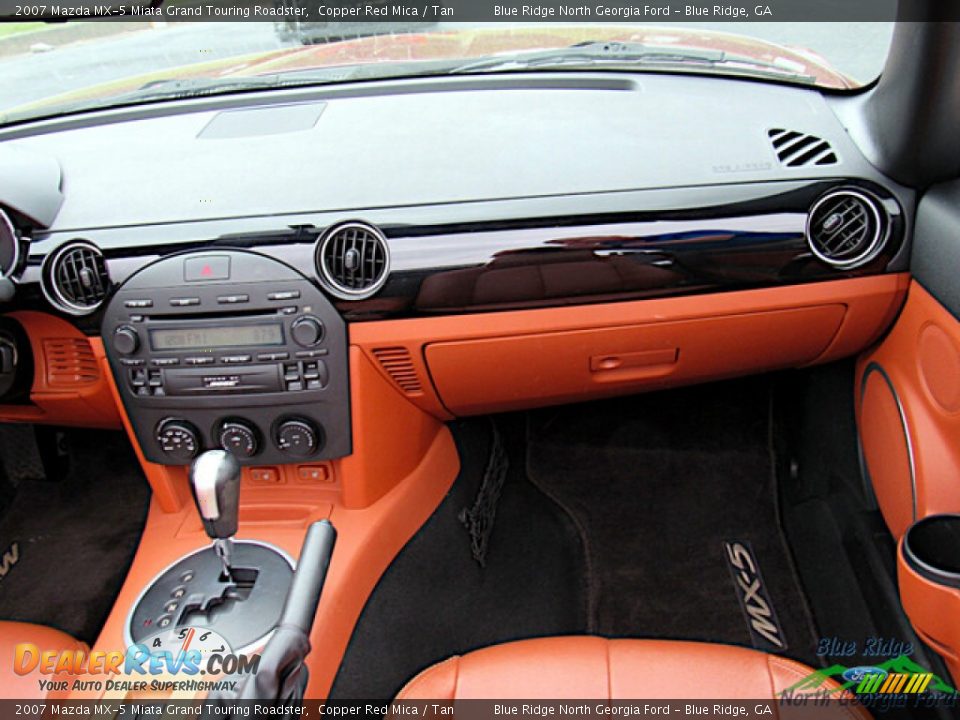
x=846 y=228
x=353 y=260
x=75 y=278
x=797 y=149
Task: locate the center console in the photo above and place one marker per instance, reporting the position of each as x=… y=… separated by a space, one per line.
x=229 y=349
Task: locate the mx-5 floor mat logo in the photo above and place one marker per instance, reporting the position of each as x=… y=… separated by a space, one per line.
x=758 y=611
x=8 y=559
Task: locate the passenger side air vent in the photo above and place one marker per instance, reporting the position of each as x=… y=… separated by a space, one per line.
x=69 y=361
x=75 y=278
x=846 y=228
x=397 y=363
x=797 y=149
x=353 y=260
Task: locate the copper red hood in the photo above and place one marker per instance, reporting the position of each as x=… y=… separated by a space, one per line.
x=478 y=42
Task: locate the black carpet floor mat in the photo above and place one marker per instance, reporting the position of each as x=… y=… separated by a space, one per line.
x=75 y=534
x=658 y=484
x=436 y=600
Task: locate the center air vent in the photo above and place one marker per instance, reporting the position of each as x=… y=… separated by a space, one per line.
x=846 y=228
x=75 y=278
x=353 y=260
x=797 y=149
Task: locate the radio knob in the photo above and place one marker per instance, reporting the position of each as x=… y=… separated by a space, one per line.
x=299 y=438
x=239 y=439
x=178 y=439
x=126 y=341
x=306 y=331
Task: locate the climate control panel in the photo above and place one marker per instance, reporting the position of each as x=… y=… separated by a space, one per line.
x=229 y=349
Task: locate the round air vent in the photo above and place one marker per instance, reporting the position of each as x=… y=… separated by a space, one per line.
x=9 y=246
x=846 y=228
x=75 y=278
x=353 y=260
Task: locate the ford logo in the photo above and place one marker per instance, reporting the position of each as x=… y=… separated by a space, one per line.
x=856 y=674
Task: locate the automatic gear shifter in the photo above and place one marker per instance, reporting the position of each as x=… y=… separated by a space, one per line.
x=234 y=588
x=215 y=483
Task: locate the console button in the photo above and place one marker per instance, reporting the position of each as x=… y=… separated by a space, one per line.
x=284 y=295
x=164 y=362
x=313 y=473
x=235 y=359
x=202 y=360
x=273 y=356
x=144 y=303
x=184 y=301
x=232 y=299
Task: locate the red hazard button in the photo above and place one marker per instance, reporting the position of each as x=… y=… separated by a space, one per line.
x=206 y=267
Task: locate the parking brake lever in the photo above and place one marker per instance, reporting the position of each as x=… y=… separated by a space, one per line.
x=282 y=674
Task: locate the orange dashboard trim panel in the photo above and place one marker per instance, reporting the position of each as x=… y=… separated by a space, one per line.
x=70 y=386
x=473 y=364
x=920 y=361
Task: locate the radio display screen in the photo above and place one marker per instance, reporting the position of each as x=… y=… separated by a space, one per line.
x=202 y=338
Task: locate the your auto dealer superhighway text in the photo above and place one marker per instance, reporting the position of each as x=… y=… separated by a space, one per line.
x=635 y=11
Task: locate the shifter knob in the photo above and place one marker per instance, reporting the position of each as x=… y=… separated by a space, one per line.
x=215 y=482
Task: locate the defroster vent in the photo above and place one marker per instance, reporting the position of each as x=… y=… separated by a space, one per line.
x=353 y=260
x=75 y=278
x=797 y=149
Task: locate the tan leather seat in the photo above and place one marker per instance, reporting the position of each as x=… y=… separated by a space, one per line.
x=27 y=687
x=588 y=668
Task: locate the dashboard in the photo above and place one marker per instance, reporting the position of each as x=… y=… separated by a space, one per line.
x=229 y=251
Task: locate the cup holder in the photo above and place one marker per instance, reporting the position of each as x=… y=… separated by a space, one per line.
x=931 y=547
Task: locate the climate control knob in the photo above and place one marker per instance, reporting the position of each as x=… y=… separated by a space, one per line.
x=239 y=438
x=126 y=340
x=299 y=438
x=306 y=331
x=178 y=439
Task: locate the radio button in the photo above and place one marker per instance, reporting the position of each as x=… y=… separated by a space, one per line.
x=136 y=304
x=164 y=362
x=184 y=301
x=132 y=362
x=294 y=386
x=199 y=360
x=284 y=295
x=290 y=310
x=232 y=299
x=235 y=359
x=306 y=331
x=268 y=357
x=126 y=340
x=312 y=353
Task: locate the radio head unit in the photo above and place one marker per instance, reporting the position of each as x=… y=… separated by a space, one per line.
x=229 y=349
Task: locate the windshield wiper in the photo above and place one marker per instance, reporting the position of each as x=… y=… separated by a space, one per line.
x=632 y=54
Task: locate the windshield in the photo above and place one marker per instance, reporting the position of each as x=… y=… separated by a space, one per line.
x=53 y=69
